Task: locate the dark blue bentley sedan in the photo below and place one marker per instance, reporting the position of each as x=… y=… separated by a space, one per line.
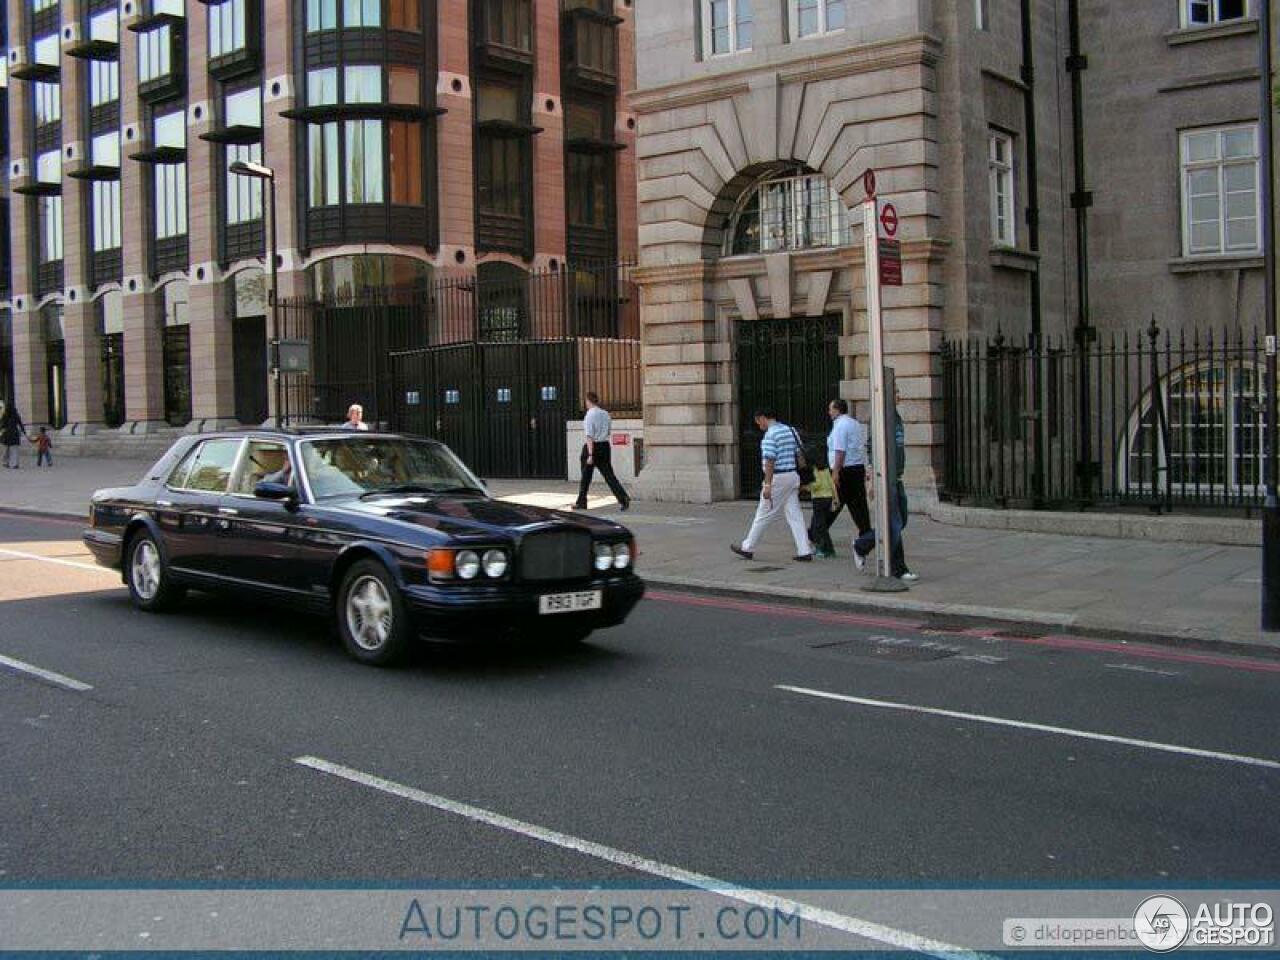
x=394 y=537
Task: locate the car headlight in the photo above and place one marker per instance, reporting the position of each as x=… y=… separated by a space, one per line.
x=604 y=556
x=467 y=564
x=621 y=556
x=495 y=563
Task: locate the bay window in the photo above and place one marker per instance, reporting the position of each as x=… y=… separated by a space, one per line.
x=504 y=160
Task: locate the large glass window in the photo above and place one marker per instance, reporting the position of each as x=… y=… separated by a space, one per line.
x=813 y=17
x=362 y=15
x=104 y=26
x=1197 y=13
x=508 y=23
x=170 y=130
x=1000 y=182
x=104 y=82
x=244 y=194
x=228 y=32
x=47 y=50
x=1220 y=193
x=49 y=214
x=726 y=26
x=105 y=152
x=503 y=175
x=155 y=53
x=48 y=102
x=789 y=213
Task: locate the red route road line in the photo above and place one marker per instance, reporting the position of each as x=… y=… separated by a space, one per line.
x=1059 y=641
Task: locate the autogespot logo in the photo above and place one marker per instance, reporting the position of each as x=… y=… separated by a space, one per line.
x=1161 y=923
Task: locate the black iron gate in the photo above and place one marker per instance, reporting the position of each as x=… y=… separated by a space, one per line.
x=792 y=365
x=502 y=407
x=113 y=411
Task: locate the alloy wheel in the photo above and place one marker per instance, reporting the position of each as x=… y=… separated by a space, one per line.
x=369 y=613
x=145 y=570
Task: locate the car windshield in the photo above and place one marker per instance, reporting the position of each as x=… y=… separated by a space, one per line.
x=356 y=466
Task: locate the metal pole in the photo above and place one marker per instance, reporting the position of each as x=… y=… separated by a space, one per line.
x=281 y=419
x=1081 y=201
x=1271 y=505
x=1033 y=242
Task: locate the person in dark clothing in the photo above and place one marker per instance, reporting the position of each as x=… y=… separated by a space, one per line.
x=12 y=430
x=597 y=453
x=847 y=455
x=897 y=507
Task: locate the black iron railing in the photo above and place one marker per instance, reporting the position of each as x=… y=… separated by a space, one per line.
x=1147 y=419
x=354 y=335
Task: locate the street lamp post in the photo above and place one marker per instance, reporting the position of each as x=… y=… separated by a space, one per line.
x=1271 y=505
x=256 y=171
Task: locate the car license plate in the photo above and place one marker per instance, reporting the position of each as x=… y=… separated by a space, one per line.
x=571 y=602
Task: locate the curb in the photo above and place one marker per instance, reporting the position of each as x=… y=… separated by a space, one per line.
x=965 y=615
x=44 y=514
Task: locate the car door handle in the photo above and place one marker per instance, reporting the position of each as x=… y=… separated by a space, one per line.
x=229 y=511
x=164 y=503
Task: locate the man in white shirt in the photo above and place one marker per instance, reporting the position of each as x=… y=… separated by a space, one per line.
x=597 y=454
x=847 y=454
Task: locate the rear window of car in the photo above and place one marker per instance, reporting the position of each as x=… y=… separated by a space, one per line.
x=210 y=471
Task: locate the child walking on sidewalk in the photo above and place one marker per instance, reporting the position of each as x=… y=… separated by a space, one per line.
x=822 y=493
x=44 y=448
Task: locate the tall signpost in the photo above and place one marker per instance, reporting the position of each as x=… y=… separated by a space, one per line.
x=883 y=259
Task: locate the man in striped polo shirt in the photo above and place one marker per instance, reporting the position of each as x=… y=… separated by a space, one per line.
x=781 y=491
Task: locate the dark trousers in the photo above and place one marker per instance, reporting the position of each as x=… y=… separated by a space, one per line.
x=603 y=458
x=820 y=525
x=866 y=542
x=44 y=458
x=853 y=491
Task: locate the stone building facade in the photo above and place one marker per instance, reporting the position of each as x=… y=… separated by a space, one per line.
x=942 y=100
x=410 y=140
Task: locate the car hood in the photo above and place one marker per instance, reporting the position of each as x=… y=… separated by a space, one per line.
x=463 y=515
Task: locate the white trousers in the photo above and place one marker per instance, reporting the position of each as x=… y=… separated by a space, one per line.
x=786 y=500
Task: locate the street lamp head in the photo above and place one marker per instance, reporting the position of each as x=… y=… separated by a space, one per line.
x=246 y=168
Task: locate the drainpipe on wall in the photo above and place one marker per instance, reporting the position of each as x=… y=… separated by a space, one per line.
x=1081 y=201
x=1033 y=241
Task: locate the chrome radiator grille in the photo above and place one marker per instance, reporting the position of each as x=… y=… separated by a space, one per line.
x=556 y=555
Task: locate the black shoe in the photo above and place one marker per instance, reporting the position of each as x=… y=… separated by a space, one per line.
x=744 y=554
x=804 y=558
x=579 y=506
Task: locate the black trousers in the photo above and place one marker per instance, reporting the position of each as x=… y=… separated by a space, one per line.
x=603 y=457
x=853 y=491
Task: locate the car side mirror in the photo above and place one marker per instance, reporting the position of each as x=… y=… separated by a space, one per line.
x=269 y=490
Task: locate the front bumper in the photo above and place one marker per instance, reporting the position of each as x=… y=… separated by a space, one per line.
x=458 y=608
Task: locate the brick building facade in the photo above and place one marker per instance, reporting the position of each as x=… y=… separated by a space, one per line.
x=411 y=141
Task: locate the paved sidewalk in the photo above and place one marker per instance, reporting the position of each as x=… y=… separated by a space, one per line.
x=1137 y=588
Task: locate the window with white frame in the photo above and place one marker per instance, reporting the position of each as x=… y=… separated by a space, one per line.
x=809 y=18
x=1202 y=13
x=788 y=213
x=1220 y=194
x=1000 y=177
x=726 y=26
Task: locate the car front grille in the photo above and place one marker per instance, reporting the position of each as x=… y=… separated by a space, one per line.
x=556 y=555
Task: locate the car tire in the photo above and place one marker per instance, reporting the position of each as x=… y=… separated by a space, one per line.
x=151 y=586
x=371 y=615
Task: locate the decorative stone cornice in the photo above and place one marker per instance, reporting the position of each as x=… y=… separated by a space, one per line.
x=921 y=48
x=688 y=272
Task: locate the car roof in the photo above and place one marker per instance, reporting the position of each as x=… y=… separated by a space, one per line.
x=306 y=433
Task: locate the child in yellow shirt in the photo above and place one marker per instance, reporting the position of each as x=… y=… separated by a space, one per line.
x=822 y=493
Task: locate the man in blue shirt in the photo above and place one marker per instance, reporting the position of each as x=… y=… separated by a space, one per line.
x=781 y=491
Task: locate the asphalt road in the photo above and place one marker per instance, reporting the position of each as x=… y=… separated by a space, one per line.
x=671 y=738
